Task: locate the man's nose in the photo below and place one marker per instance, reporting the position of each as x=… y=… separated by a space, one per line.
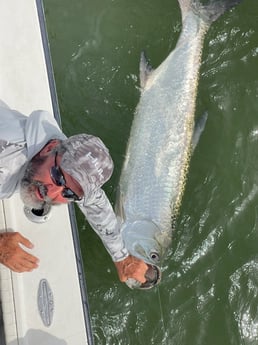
x=53 y=190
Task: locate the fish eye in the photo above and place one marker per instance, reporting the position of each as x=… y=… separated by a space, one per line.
x=154 y=256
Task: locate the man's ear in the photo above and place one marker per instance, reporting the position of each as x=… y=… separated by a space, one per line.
x=49 y=147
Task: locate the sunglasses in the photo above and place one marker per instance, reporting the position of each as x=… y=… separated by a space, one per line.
x=59 y=180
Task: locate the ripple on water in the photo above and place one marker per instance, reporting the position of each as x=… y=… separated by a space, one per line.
x=243 y=298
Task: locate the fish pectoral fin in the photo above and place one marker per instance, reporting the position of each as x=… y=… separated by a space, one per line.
x=199 y=128
x=119 y=207
x=145 y=70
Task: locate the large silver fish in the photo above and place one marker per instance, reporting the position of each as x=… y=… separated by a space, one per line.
x=160 y=144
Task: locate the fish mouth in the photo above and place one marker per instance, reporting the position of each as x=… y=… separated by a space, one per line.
x=152 y=275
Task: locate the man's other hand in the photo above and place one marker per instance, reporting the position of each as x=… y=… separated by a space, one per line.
x=13 y=256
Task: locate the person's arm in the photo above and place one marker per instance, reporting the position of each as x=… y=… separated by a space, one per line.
x=13 y=256
x=100 y=215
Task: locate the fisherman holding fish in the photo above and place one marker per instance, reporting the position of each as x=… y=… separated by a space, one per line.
x=37 y=158
x=47 y=168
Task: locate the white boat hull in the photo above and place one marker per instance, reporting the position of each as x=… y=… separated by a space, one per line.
x=46 y=306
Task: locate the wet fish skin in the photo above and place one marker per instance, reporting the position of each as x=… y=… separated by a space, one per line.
x=159 y=148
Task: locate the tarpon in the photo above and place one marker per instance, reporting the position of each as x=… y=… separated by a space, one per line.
x=160 y=143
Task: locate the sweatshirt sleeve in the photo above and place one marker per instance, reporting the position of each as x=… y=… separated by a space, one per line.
x=100 y=215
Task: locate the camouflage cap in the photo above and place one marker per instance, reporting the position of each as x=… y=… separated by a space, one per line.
x=87 y=160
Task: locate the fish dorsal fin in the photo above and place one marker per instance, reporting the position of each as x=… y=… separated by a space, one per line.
x=145 y=70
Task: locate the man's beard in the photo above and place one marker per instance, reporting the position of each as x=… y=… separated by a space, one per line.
x=29 y=186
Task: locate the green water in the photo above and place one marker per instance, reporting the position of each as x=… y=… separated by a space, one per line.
x=208 y=294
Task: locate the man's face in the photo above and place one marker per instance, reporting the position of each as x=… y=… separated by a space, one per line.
x=39 y=185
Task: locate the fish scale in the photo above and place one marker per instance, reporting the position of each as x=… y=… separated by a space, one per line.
x=156 y=128
x=154 y=172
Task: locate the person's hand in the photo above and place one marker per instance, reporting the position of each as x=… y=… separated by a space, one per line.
x=131 y=267
x=13 y=256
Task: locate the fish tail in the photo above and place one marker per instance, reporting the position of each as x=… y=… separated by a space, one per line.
x=209 y=12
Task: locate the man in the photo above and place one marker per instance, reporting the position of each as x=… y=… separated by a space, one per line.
x=46 y=167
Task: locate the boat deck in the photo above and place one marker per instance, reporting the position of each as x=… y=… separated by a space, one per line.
x=48 y=305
